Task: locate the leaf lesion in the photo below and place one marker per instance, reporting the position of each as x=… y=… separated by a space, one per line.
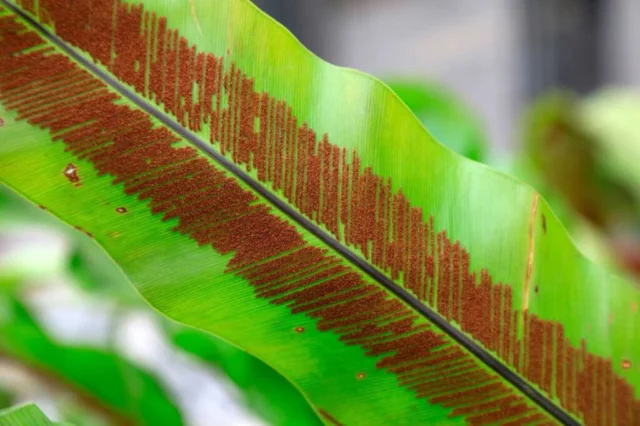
x=71 y=173
x=531 y=251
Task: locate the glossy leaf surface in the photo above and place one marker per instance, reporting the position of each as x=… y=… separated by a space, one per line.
x=301 y=212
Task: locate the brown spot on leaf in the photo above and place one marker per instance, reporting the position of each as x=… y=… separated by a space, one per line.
x=194 y=14
x=89 y=234
x=329 y=418
x=299 y=329
x=544 y=224
x=528 y=273
x=360 y=376
x=626 y=364
x=121 y=210
x=71 y=173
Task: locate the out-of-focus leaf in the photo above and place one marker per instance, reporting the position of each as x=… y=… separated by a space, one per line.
x=445 y=116
x=612 y=118
x=569 y=158
x=582 y=155
x=6 y=398
x=26 y=415
x=76 y=414
x=102 y=381
x=266 y=391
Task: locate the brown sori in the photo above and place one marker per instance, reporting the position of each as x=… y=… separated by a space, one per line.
x=329 y=186
x=49 y=91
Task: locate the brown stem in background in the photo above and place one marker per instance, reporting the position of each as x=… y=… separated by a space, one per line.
x=89 y=401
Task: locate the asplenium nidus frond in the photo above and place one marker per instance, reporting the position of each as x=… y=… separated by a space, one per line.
x=300 y=211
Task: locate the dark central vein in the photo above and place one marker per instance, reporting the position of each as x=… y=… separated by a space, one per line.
x=468 y=343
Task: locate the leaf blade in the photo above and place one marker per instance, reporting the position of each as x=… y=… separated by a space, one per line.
x=25 y=414
x=520 y=222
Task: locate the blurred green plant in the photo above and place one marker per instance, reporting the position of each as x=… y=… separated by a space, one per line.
x=581 y=155
x=446 y=117
x=102 y=381
x=266 y=391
